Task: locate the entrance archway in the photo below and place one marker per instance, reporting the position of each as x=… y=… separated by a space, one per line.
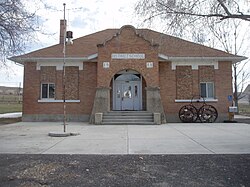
x=127 y=90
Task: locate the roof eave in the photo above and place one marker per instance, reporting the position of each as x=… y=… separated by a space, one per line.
x=93 y=57
x=234 y=59
x=21 y=60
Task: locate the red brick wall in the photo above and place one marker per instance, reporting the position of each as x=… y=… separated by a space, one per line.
x=88 y=83
x=181 y=83
x=184 y=82
x=48 y=74
x=168 y=87
x=127 y=42
x=72 y=83
x=223 y=85
x=206 y=73
x=221 y=77
x=59 y=84
x=32 y=89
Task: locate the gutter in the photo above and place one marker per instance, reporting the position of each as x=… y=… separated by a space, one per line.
x=93 y=58
x=234 y=59
x=21 y=60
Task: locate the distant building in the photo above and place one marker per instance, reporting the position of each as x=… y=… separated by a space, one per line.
x=4 y=90
x=247 y=90
x=124 y=69
x=245 y=95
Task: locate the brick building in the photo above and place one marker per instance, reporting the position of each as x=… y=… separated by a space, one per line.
x=124 y=69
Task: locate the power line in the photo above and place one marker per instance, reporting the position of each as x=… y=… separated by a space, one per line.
x=68 y=9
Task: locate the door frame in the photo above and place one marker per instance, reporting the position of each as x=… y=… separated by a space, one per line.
x=117 y=102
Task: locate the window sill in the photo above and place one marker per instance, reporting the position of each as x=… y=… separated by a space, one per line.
x=195 y=100
x=57 y=101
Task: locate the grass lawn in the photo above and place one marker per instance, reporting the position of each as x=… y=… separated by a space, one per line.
x=10 y=98
x=10 y=107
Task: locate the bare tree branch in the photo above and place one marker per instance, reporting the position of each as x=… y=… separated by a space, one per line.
x=17 y=26
x=191 y=8
x=214 y=22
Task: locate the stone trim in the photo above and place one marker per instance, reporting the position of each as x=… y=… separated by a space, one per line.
x=195 y=65
x=157 y=118
x=101 y=102
x=195 y=100
x=59 y=65
x=154 y=103
x=57 y=101
x=233 y=59
x=98 y=118
x=55 y=117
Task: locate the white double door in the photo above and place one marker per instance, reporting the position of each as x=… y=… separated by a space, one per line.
x=127 y=95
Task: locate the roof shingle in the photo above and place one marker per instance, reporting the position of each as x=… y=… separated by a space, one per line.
x=168 y=45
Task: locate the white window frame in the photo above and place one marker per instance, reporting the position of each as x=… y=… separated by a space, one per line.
x=47 y=98
x=207 y=87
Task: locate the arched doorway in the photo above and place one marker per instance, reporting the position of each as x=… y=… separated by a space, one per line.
x=127 y=90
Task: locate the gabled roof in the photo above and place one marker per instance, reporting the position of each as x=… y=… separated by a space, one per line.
x=169 y=48
x=247 y=90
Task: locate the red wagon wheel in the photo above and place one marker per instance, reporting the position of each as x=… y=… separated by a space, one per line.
x=207 y=114
x=188 y=114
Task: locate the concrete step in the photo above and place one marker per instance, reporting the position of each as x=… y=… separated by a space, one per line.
x=128 y=123
x=128 y=118
x=135 y=113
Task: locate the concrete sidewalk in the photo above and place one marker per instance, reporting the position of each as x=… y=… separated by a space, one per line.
x=174 y=138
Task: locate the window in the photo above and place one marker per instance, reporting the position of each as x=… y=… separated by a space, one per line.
x=207 y=89
x=136 y=91
x=48 y=91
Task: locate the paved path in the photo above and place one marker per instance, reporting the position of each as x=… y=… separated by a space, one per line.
x=178 y=138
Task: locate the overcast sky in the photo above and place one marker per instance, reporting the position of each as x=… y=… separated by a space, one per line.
x=83 y=17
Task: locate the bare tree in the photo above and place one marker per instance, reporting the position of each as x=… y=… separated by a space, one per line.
x=17 y=26
x=233 y=37
x=217 y=23
x=185 y=13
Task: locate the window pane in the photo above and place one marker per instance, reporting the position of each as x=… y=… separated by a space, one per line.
x=210 y=90
x=128 y=77
x=51 y=90
x=203 y=90
x=136 y=91
x=127 y=93
x=44 y=90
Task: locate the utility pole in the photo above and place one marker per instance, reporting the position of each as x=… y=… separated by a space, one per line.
x=19 y=93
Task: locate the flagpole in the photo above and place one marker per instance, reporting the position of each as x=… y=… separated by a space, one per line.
x=64 y=72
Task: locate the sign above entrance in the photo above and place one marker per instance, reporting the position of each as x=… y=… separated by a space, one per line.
x=128 y=56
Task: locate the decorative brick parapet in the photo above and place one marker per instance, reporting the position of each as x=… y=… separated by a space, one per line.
x=184 y=82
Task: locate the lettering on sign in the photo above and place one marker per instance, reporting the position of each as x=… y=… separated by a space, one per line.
x=105 y=65
x=149 y=64
x=128 y=56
